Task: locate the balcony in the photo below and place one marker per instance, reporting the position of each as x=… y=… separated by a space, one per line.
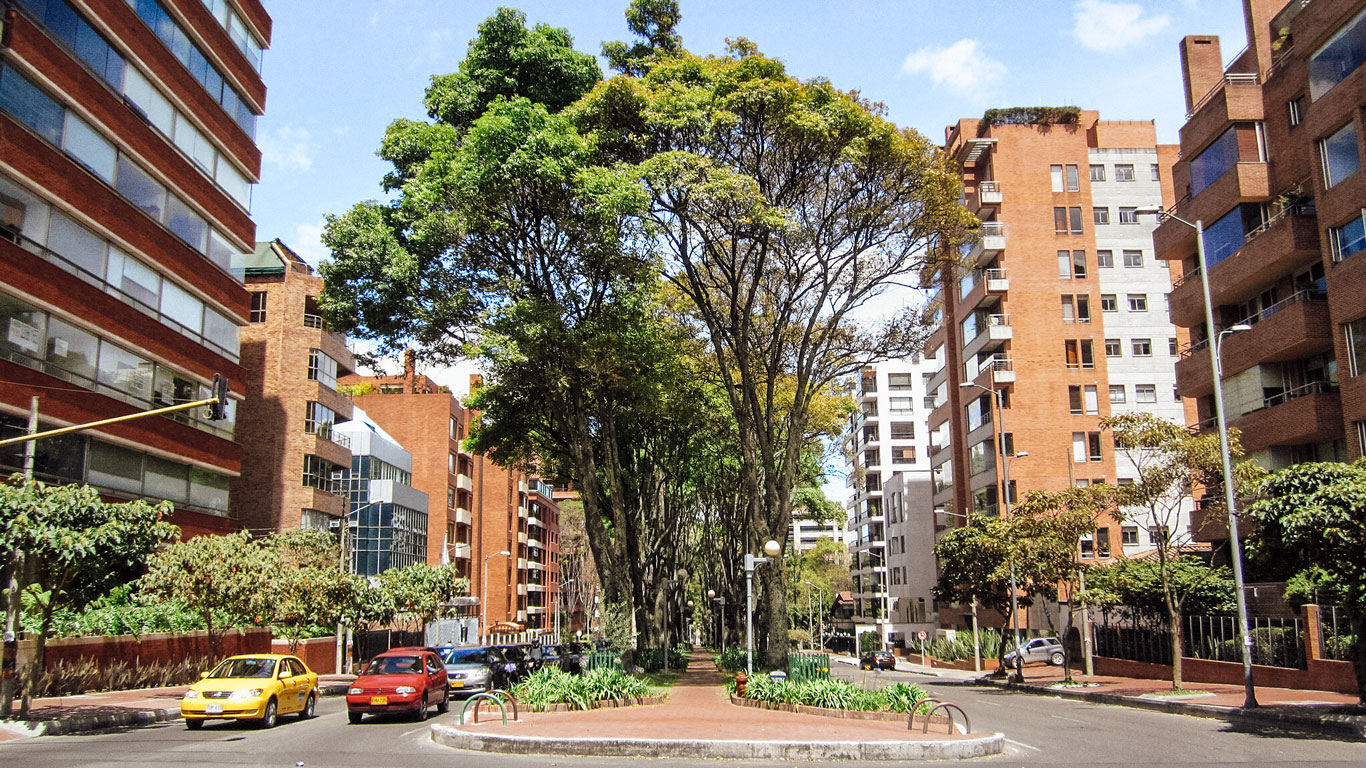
x=1235 y=98
x=997 y=332
x=1285 y=244
x=464 y=482
x=536 y=543
x=462 y=515
x=521 y=589
x=535 y=566
x=1308 y=414
x=991 y=240
x=996 y=281
x=535 y=587
x=460 y=551
x=521 y=537
x=988 y=195
x=534 y=521
x=522 y=487
x=522 y=563
x=1288 y=330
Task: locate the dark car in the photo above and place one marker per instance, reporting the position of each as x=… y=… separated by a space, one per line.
x=548 y=656
x=474 y=669
x=574 y=657
x=877 y=660
x=407 y=680
x=520 y=657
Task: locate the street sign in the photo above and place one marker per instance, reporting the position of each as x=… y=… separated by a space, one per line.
x=922 y=635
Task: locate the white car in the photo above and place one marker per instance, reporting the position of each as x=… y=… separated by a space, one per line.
x=1045 y=649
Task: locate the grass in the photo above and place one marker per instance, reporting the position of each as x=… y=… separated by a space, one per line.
x=1179 y=692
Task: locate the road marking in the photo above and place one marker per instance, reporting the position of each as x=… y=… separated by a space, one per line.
x=415 y=730
x=1072 y=719
x=1022 y=744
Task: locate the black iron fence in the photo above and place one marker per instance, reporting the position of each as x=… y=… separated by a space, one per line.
x=1276 y=642
x=1335 y=634
x=369 y=643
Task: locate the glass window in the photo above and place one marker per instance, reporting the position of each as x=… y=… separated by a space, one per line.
x=1105 y=259
x=1224 y=237
x=899 y=381
x=235 y=184
x=146 y=97
x=140 y=189
x=1145 y=393
x=1108 y=302
x=1113 y=348
x=1356 y=345
x=89 y=147
x=76 y=244
x=125 y=371
x=1083 y=309
x=318 y=419
x=220 y=251
x=1340 y=156
x=1143 y=347
x=1117 y=393
x=1128 y=215
x=1060 y=219
x=1074 y=217
x=180 y=306
x=1214 y=161
x=1133 y=259
x=21 y=327
x=1138 y=302
x=259 y=301
x=903 y=430
x=322 y=369
x=1100 y=215
x=1065 y=264
x=1124 y=172
x=22 y=211
x=1079 y=264
x=135 y=279
x=1156 y=171
x=166 y=479
x=170 y=389
x=72 y=350
x=115 y=467
x=1097 y=173
x=186 y=223
x=1055 y=175
x=1338 y=58
x=221 y=331
x=31 y=106
x=1347 y=239
x=1068 y=310
x=1073 y=180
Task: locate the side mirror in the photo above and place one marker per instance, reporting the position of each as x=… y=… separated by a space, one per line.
x=203 y=675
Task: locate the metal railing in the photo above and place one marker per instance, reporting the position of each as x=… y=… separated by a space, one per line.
x=998 y=320
x=988 y=186
x=1231 y=78
x=1277 y=642
x=1335 y=634
x=992 y=229
x=1304 y=390
x=995 y=274
x=312 y=320
x=1299 y=297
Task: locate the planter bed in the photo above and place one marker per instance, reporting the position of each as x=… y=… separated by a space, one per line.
x=639 y=701
x=844 y=714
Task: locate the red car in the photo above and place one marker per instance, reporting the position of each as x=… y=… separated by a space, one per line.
x=407 y=680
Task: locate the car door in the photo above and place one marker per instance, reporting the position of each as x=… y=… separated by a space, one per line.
x=436 y=677
x=288 y=698
x=303 y=681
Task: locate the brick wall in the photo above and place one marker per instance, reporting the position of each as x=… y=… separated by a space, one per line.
x=319 y=653
x=153 y=647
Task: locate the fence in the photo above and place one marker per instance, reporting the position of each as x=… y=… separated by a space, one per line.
x=604 y=659
x=808 y=666
x=368 y=644
x=1276 y=642
x=1335 y=634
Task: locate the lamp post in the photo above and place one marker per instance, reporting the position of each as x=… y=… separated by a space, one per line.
x=1004 y=501
x=1216 y=368
x=820 y=616
x=484 y=592
x=683 y=622
x=721 y=617
x=772 y=549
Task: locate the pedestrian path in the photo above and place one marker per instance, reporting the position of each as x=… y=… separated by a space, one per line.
x=1223 y=695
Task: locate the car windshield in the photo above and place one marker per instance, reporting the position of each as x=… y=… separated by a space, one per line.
x=394 y=665
x=244 y=668
x=464 y=656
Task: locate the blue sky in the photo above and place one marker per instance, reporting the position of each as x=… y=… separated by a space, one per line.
x=339 y=71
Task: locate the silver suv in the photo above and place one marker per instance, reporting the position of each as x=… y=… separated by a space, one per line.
x=1045 y=649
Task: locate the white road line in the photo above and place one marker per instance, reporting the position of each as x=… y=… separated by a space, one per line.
x=1072 y=719
x=415 y=730
x=1022 y=744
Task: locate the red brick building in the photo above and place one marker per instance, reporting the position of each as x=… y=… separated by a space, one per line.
x=1270 y=165
x=126 y=163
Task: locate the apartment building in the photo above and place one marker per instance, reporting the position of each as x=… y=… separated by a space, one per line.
x=1058 y=310
x=387 y=517
x=127 y=160
x=804 y=532
x=887 y=442
x=292 y=407
x=1270 y=161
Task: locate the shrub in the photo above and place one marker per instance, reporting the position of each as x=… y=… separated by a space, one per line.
x=835 y=694
x=732 y=659
x=1028 y=116
x=552 y=685
x=960 y=647
x=869 y=642
x=85 y=675
x=652 y=659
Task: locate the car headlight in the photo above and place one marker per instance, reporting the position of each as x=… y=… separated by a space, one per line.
x=457 y=675
x=244 y=693
x=355 y=691
x=405 y=689
x=192 y=694
x=478 y=674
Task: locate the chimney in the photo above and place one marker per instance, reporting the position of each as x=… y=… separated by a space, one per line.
x=409 y=372
x=1202 y=66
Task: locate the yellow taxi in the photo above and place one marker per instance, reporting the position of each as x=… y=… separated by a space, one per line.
x=258 y=687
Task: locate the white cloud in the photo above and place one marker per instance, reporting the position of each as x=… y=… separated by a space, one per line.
x=960 y=66
x=288 y=147
x=1108 y=26
x=308 y=243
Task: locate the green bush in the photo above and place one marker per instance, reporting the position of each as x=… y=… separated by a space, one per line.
x=64 y=678
x=552 y=685
x=652 y=659
x=869 y=642
x=835 y=694
x=732 y=659
x=960 y=647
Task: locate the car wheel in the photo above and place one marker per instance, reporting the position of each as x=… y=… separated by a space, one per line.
x=354 y=717
x=420 y=713
x=1056 y=659
x=310 y=707
x=445 y=705
x=194 y=725
x=268 y=718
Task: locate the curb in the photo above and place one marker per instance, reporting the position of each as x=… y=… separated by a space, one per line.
x=1351 y=726
x=957 y=749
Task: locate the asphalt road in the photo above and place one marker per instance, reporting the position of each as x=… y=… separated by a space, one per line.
x=1041 y=730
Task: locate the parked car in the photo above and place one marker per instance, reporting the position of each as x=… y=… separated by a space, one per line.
x=548 y=656
x=1045 y=649
x=408 y=680
x=877 y=660
x=256 y=687
x=474 y=669
x=520 y=657
x=574 y=657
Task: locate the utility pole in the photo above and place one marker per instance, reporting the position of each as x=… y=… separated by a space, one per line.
x=13 y=602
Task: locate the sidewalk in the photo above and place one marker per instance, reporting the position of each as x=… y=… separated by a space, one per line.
x=91 y=711
x=1322 y=711
x=698 y=720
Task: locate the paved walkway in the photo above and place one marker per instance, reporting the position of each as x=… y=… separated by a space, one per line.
x=698 y=708
x=1288 y=699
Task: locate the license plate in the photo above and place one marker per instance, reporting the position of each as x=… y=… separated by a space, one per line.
x=457 y=683
x=213 y=709
x=379 y=701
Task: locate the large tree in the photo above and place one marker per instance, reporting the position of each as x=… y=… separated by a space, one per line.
x=219 y=578
x=1314 y=514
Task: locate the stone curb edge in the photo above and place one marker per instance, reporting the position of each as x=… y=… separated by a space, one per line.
x=1336 y=725
x=83 y=723
x=956 y=749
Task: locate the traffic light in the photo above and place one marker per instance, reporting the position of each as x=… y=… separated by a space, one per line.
x=219 y=410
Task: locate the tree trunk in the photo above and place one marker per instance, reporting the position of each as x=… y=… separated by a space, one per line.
x=1357 y=618
x=35 y=670
x=1174 y=632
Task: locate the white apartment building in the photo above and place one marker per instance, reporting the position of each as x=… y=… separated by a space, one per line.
x=804 y=532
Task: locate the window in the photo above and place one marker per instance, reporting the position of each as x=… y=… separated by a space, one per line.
x=1105 y=259
x=1296 y=108
x=1338 y=58
x=1339 y=154
x=1060 y=220
x=903 y=430
x=258 y=307
x=322 y=369
x=1074 y=216
x=1113 y=348
x=450 y=463
x=318 y=420
x=1347 y=239
x=1078 y=353
x=1100 y=215
x=1073 y=180
x=93 y=151
x=1117 y=393
x=1156 y=172
x=1083 y=399
x=1133 y=259
x=900 y=404
x=1361 y=437
x=899 y=381
x=1172 y=347
x=1356 y=345
x=1128 y=214
x=1108 y=302
x=1102 y=542
x=1086 y=446
x=1088 y=546
x=1083 y=309
x=1124 y=171
x=1128 y=535
x=1143 y=347
x=1068 y=310
x=450 y=497
x=318 y=473
x=1065 y=265
x=1138 y=302
x=1079 y=264
x=1055 y=175
x=1097 y=173
x=1145 y=393
x=871 y=459
x=903 y=454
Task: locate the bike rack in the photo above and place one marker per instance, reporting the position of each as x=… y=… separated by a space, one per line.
x=948 y=707
x=480 y=697
x=910 y=718
x=504 y=695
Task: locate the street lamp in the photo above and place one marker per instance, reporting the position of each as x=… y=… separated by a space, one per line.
x=820 y=616
x=772 y=549
x=484 y=592
x=1004 y=501
x=721 y=617
x=683 y=622
x=1235 y=546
